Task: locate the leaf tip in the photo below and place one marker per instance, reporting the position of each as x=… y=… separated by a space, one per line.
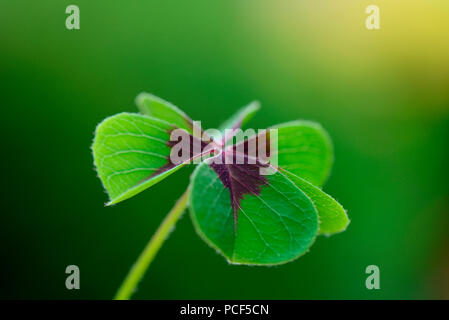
x=254 y=105
x=141 y=97
x=110 y=203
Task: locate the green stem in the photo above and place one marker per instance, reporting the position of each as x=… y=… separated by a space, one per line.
x=138 y=270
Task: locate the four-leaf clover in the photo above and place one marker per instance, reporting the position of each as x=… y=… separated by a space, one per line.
x=248 y=217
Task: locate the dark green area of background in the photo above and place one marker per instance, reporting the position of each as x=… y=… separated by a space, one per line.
x=389 y=127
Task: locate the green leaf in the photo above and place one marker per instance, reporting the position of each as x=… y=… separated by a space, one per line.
x=156 y=107
x=305 y=149
x=275 y=226
x=130 y=154
x=333 y=217
x=241 y=116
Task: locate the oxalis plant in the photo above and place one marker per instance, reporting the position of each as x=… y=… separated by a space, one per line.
x=254 y=209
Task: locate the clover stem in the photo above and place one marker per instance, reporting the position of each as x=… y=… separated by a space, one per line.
x=138 y=270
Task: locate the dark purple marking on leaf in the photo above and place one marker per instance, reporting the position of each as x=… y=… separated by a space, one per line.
x=244 y=177
x=188 y=141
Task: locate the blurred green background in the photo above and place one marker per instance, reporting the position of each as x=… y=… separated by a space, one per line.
x=383 y=96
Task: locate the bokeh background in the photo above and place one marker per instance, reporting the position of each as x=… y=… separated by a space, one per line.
x=382 y=95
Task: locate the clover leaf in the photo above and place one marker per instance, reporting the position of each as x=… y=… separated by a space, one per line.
x=248 y=215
